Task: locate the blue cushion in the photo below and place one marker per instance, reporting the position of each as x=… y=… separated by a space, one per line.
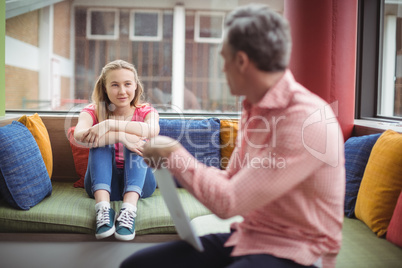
x=357 y=153
x=24 y=180
x=199 y=137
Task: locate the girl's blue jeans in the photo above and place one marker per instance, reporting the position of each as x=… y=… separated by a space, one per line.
x=102 y=174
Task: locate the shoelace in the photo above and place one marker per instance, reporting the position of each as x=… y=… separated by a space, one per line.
x=126 y=218
x=102 y=216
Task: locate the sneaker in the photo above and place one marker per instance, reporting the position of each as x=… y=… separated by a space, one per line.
x=125 y=225
x=104 y=222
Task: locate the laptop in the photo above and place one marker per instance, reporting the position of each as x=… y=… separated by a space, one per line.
x=167 y=187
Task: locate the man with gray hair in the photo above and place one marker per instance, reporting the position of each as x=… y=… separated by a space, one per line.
x=293 y=211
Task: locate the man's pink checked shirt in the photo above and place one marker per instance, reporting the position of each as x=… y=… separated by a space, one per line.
x=286 y=177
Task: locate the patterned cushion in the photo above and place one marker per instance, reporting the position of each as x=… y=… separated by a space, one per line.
x=357 y=152
x=24 y=180
x=199 y=137
x=394 y=233
x=38 y=129
x=381 y=183
x=228 y=135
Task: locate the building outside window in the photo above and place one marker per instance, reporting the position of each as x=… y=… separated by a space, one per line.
x=59 y=48
x=55 y=50
x=390 y=93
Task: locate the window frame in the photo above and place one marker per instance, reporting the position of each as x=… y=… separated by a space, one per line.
x=116 y=34
x=134 y=37
x=115 y=20
x=369 y=61
x=197 y=27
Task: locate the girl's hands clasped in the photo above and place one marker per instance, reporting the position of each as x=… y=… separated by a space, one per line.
x=133 y=142
x=94 y=133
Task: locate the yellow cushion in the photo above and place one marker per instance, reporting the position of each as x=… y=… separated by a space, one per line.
x=228 y=135
x=38 y=129
x=381 y=183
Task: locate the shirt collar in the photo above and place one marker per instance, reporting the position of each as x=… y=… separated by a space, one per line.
x=277 y=97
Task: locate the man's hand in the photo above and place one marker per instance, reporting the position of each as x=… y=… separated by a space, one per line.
x=158 y=149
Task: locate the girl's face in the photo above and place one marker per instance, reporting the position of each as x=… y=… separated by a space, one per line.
x=120 y=87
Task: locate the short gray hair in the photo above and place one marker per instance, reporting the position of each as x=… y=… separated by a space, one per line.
x=262 y=34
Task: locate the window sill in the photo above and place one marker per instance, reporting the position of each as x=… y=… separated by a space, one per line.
x=367 y=127
x=7 y=119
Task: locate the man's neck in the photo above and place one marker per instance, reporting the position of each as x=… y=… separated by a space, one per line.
x=262 y=82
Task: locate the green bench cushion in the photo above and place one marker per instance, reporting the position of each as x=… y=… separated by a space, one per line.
x=361 y=248
x=70 y=210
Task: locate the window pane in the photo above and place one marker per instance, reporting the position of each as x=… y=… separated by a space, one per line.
x=211 y=26
x=102 y=23
x=167 y=25
x=145 y=24
x=390 y=95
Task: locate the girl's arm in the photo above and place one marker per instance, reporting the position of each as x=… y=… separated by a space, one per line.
x=148 y=129
x=91 y=136
x=113 y=131
x=130 y=141
x=81 y=131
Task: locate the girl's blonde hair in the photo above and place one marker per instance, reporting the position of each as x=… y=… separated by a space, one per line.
x=99 y=96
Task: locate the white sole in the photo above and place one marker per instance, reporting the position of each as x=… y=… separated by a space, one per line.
x=106 y=234
x=124 y=237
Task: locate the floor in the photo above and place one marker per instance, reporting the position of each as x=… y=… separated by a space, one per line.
x=66 y=254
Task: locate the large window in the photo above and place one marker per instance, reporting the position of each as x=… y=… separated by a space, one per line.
x=55 y=51
x=150 y=54
x=390 y=97
x=379 y=70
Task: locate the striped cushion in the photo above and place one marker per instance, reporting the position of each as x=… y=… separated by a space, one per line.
x=70 y=210
x=24 y=180
x=199 y=137
x=357 y=153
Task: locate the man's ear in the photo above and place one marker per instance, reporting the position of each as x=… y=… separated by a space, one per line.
x=242 y=61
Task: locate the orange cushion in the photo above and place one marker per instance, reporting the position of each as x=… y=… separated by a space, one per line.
x=228 y=135
x=381 y=183
x=38 y=130
x=80 y=156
